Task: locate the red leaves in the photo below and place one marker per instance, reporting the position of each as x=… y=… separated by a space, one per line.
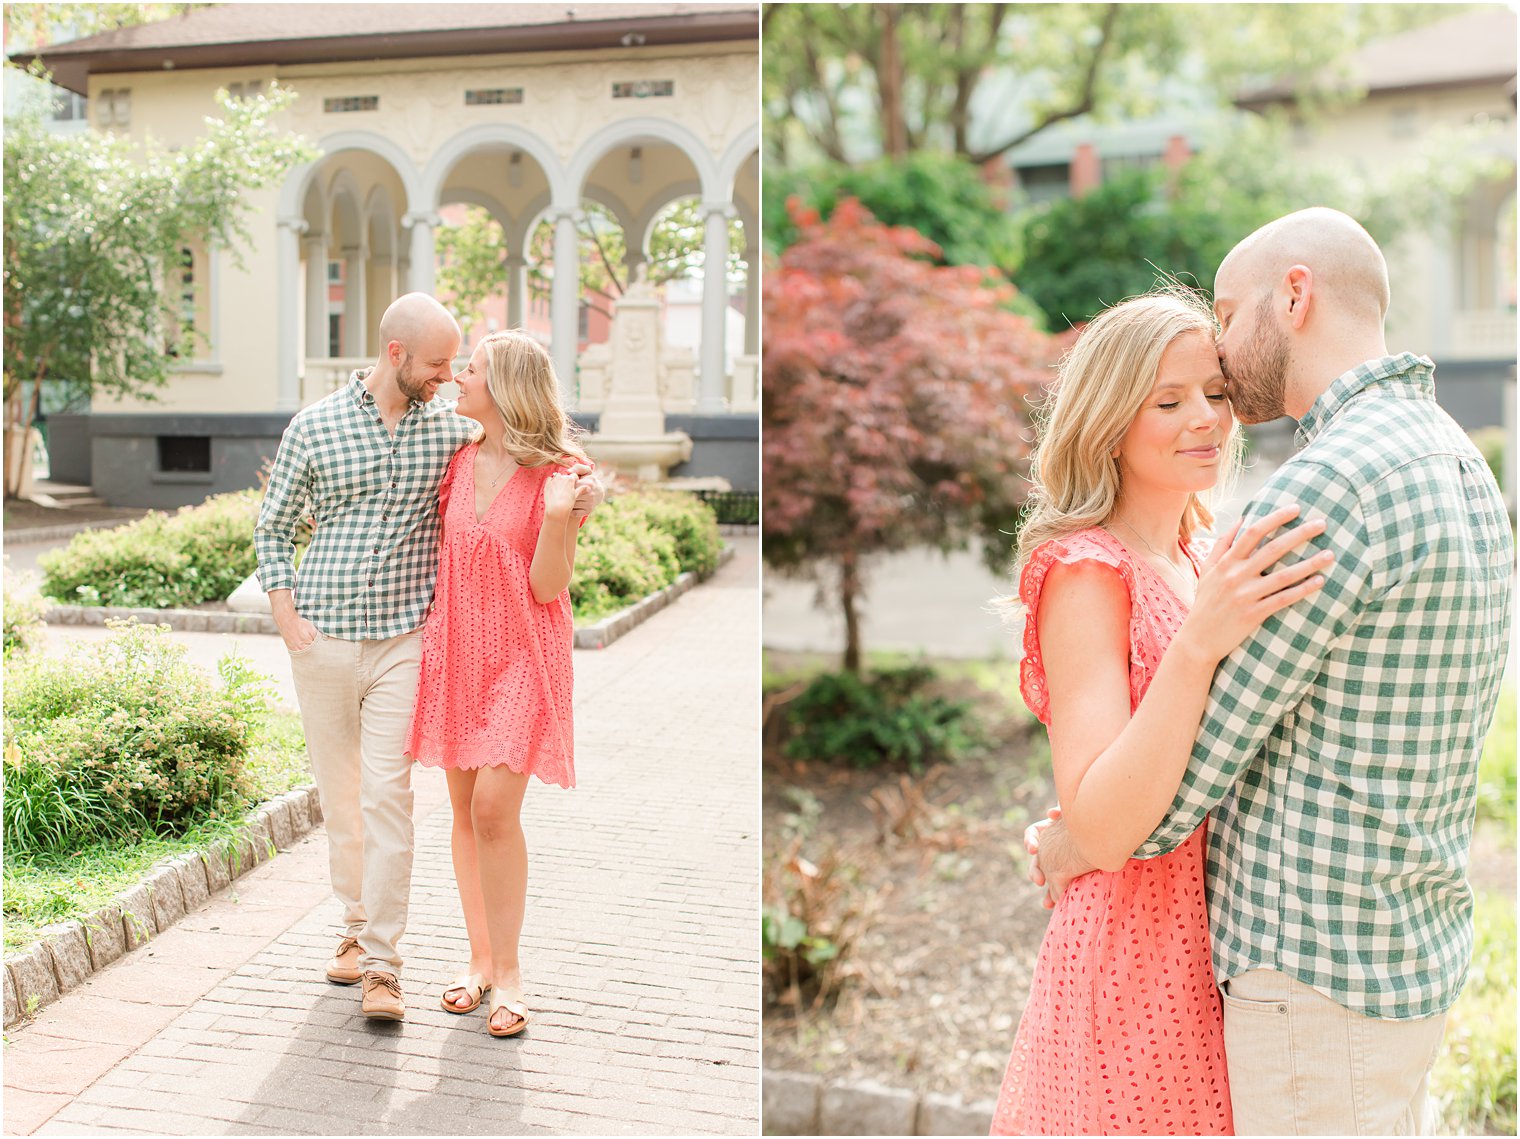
x=895 y=408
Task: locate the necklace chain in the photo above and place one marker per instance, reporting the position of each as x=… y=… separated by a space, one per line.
x=510 y=466
x=1171 y=565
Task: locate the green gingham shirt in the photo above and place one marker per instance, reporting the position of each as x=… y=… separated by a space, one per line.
x=1339 y=748
x=369 y=571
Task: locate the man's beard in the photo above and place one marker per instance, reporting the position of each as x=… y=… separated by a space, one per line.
x=1258 y=372
x=413 y=389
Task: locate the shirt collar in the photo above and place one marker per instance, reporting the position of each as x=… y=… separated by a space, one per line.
x=1414 y=374
x=361 y=394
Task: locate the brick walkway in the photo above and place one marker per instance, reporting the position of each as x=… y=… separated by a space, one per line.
x=639 y=953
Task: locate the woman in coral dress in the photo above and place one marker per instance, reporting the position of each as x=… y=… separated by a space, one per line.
x=493 y=701
x=1125 y=622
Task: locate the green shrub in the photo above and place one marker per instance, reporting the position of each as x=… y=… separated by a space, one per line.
x=128 y=740
x=1496 y=770
x=1473 y=1083
x=1490 y=441
x=161 y=561
x=687 y=519
x=885 y=718
x=23 y=618
x=637 y=544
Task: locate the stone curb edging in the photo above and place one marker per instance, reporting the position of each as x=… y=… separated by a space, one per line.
x=594 y=636
x=35 y=534
x=69 y=952
x=614 y=625
x=181 y=620
x=794 y=1103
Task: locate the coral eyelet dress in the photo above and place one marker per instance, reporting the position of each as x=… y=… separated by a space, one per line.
x=496 y=681
x=1123 y=1033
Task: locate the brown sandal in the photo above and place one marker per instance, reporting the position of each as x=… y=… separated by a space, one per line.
x=473 y=984
x=512 y=1001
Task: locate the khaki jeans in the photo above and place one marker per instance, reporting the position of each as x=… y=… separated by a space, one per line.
x=356 y=706
x=1301 y=1064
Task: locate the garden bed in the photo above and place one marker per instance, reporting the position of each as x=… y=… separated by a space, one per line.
x=938 y=978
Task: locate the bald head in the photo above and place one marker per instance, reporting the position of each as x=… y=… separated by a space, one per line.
x=416 y=319
x=1349 y=271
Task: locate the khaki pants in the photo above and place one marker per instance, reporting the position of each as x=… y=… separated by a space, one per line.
x=356 y=705
x=1300 y=1064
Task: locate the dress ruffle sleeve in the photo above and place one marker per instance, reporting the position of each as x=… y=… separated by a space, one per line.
x=1079 y=547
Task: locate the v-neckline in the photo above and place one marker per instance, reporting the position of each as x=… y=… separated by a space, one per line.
x=1187 y=605
x=480 y=519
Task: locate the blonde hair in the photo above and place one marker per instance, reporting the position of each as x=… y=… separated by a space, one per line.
x=521 y=379
x=1102 y=383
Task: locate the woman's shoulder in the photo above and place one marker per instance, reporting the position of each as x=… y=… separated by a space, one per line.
x=1092 y=547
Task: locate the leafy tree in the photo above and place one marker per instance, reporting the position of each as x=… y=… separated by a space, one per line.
x=474 y=256
x=943 y=197
x=90 y=226
x=472 y=264
x=1082 y=254
x=894 y=412
x=848 y=82
x=29 y=26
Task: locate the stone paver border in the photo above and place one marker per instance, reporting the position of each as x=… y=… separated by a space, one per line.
x=595 y=636
x=794 y=1103
x=70 y=952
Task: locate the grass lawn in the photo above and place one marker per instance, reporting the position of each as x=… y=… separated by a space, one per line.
x=43 y=889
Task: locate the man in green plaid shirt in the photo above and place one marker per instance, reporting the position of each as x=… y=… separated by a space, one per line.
x=366 y=461
x=1338 y=756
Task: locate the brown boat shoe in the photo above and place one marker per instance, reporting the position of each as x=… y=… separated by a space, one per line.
x=343 y=969
x=382 y=997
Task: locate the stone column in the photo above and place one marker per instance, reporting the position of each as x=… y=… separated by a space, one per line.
x=421 y=223
x=517 y=289
x=355 y=310
x=713 y=380
x=316 y=297
x=380 y=290
x=288 y=308
x=751 y=299
x=565 y=301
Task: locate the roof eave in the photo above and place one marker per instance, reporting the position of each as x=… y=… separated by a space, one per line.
x=72 y=70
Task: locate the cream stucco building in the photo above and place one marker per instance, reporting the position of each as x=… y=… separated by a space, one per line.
x=527 y=110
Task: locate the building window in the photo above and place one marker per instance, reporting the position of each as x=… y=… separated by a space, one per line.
x=349 y=103
x=180 y=336
x=583 y=323
x=334 y=334
x=1402 y=123
x=644 y=89
x=490 y=97
x=335 y=272
x=1045 y=183
x=184 y=454
x=69 y=107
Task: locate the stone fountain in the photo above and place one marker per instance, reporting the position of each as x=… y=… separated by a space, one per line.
x=631 y=436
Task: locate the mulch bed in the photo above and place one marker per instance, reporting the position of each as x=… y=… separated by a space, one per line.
x=943 y=967
x=938 y=978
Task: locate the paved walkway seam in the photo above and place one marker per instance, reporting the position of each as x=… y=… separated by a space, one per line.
x=69 y=952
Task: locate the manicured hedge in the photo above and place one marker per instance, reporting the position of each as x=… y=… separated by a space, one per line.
x=633 y=545
x=637 y=543
x=161 y=561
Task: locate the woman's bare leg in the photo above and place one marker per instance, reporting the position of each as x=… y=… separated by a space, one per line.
x=467 y=875
x=502 y=859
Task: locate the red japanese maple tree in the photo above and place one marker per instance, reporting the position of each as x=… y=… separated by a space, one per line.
x=895 y=410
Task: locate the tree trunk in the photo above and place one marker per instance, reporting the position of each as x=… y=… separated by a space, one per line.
x=889 y=84
x=849 y=594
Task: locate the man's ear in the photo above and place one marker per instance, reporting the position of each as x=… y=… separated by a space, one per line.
x=1299 y=283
